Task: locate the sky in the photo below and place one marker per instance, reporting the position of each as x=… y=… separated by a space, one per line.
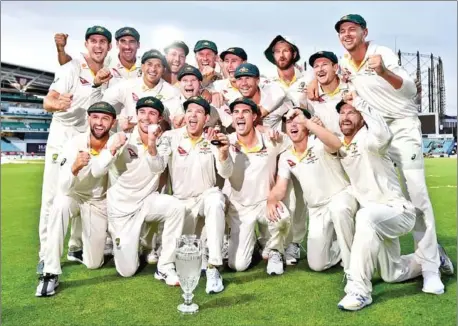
x=28 y=28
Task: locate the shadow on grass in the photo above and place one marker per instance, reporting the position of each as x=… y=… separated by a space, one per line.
x=228 y=301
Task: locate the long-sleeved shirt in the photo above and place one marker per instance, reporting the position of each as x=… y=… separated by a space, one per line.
x=365 y=160
x=192 y=164
x=128 y=92
x=84 y=185
x=376 y=91
x=254 y=169
x=133 y=174
x=319 y=173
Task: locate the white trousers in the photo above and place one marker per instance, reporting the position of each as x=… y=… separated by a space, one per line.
x=297 y=207
x=210 y=207
x=242 y=239
x=125 y=231
x=406 y=151
x=58 y=136
x=331 y=230
x=92 y=214
x=376 y=245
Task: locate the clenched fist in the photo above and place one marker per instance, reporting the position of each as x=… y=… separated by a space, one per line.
x=375 y=62
x=82 y=160
x=61 y=41
x=119 y=139
x=102 y=77
x=64 y=101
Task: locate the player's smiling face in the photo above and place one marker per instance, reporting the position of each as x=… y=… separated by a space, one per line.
x=128 y=47
x=297 y=132
x=189 y=86
x=176 y=59
x=350 y=120
x=243 y=119
x=100 y=124
x=283 y=55
x=196 y=119
x=247 y=85
x=97 y=47
x=230 y=63
x=352 y=35
x=206 y=57
x=152 y=71
x=147 y=116
x=325 y=70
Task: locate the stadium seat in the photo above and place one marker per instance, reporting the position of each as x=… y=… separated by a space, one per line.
x=13 y=126
x=8 y=147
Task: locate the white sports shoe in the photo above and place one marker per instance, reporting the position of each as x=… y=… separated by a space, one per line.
x=354 y=301
x=169 y=276
x=432 y=283
x=214 y=281
x=47 y=285
x=446 y=264
x=275 y=263
x=152 y=257
x=292 y=254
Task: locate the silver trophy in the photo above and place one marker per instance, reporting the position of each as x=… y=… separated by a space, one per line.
x=188 y=264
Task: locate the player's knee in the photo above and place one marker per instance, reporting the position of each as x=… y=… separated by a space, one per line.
x=62 y=202
x=94 y=264
x=127 y=271
x=316 y=265
x=239 y=265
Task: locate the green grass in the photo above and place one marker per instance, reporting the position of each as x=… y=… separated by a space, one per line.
x=299 y=297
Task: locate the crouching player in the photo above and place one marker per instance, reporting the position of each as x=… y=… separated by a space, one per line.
x=192 y=161
x=80 y=193
x=325 y=189
x=255 y=163
x=132 y=199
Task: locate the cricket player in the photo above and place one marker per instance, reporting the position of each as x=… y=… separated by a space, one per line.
x=206 y=56
x=123 y=66
x=68 y=99
x=325 y=188
x=331 y=88
x=191 y=153
x=270 y=98
x=284 y=54
x=150 y=83
x=385 y=213
x=376 y=75
x=175 y=54
x=134 y=170
x=79 y=193
x=255 y=163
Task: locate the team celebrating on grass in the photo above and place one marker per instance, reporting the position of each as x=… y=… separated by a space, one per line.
x=140 y=153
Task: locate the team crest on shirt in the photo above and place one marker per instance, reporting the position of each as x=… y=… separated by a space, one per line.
x=352 y=149
x=132 y=153
x=291 y=163
x=117 y=242
x=262 y=152
x=181 y=151
x=54 y=157
x=159 y=97
x=134 y=97
x=84 y=82
x=310 y=156
x=205 y=148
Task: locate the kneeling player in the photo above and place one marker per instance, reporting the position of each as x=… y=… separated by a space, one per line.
x=255 y=162
x=326 y=190
x=133 y=198
x=192 y=163
x=79 y=193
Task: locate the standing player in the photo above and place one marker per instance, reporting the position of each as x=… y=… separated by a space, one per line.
x=255 y=164
x=79 y=193
x=326 y=190
x=284 y=54
x=192 y=154
x=136 y=165
x=128 y=92
x=330 y=89
x=206 y=57
x=68 y=99
x=375 y=73
x=175 y=54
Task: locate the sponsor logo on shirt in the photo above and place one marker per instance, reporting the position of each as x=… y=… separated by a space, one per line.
x=205 y=148
x=310 y=157
x=132 y=153
x=63 y=162
x=262 y=152
x=291 y=163
x=134 y=97
x=116 y=73
x=181 y=151
x=84 y=82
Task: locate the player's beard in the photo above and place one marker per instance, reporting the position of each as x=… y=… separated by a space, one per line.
x=287 y=65
x=99 y=136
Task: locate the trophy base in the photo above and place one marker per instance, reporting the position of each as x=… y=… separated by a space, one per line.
x=188 y=309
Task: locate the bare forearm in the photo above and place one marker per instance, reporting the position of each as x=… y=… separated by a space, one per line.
x=326 y=136
x=51 y=104
x=63 y=57
x=393 y=79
